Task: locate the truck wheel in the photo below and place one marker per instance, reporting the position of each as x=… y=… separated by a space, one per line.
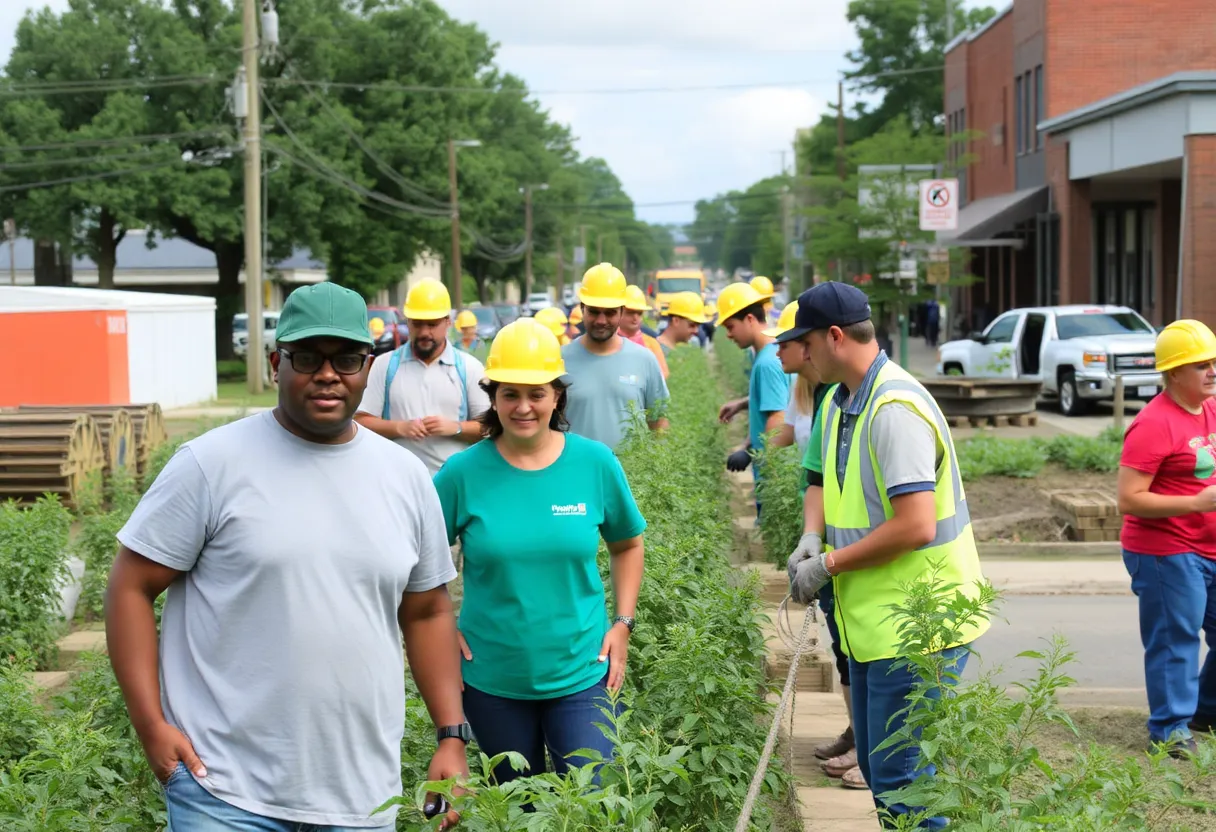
x=1071 y=404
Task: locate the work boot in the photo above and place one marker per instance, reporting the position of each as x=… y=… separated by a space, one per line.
x=1203 y=724
x=837 y=766
x=1180 y=748
x=843 y=744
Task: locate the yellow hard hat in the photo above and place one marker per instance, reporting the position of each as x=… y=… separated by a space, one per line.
x=735 y=298
x=376 y=327
x=428 y=300
x=1184 y=342
x=466 y=318
x=786 y=321
x=603 y=287
x=635 y=299
x=553 y=318
x=711 y=309
x=762 y=285
x=525 y=352
x=687 y=305
x=576 y=315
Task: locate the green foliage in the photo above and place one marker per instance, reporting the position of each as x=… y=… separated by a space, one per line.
x=101 y=516
x=990 y=773
x=731 y=361
x=988 y=456
x=780 y=492
x=33 y=567
x=742 y=229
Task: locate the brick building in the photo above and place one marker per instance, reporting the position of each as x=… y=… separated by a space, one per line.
x=1088 y=134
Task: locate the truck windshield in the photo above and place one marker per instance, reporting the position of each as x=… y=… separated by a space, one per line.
x=1106 y=323
x=679 y=284
x=483 y=314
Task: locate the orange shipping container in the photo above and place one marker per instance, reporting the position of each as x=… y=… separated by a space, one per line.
x=64 y=357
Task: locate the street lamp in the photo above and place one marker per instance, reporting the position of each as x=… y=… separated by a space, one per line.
x=527 y=192
x=456 y=273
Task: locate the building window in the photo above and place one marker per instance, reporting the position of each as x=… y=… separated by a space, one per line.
x=1040 y=109
x=1019 y=116
x=1028 y=111
x=1125 y=274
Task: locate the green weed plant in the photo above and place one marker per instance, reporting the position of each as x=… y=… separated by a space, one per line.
x=34 y=551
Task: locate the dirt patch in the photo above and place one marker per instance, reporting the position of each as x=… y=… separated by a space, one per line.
x=1019 y=509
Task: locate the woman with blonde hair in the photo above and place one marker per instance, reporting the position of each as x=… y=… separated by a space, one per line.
x=803 y=426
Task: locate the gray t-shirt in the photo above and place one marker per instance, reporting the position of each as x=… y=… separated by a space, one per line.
x=280 y=652
x=603 y=386
x=906 y=449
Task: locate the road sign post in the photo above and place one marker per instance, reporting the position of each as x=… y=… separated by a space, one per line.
x=938 y=204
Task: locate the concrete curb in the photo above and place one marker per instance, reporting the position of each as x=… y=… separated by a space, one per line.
x=1052 y=549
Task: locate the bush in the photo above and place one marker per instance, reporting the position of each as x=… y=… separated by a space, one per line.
x=101 y=514
x=990 y=774
x=33 y=569
x=779 y=492
x=991 y=457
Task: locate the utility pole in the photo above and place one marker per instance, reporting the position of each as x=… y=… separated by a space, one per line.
x=456 y=273
x=599 y=248
x=949 y=21
x=10 y=231
x=561 y=272
x=840 y=129
x=582 y=240
x=785 y=229
x=255 y=354
x=528 y=241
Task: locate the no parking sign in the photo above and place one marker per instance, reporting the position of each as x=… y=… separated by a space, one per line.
x=938 y=204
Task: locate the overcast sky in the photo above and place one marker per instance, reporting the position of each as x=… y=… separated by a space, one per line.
x=775 y=63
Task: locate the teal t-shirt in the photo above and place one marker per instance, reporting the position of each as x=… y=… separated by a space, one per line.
x=534 y=611
x=768 y=391
x=604 y=387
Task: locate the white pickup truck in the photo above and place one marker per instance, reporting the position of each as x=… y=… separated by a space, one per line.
x=1076 y=351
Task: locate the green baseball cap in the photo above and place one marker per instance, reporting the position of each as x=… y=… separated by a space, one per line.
x=323 y=310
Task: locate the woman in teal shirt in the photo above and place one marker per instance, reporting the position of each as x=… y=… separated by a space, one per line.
x=529 y=505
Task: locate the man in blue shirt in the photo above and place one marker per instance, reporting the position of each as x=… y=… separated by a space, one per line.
x=741 y=310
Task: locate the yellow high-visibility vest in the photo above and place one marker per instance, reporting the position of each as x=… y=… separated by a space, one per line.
x=860 y=505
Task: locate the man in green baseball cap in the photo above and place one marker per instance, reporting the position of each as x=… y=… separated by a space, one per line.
x=297 y=549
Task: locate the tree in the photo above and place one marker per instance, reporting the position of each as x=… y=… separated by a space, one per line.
x=901 y=54
x=743 y=229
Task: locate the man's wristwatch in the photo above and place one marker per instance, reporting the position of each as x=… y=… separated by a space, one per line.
x=462 y=732
x=627 y=620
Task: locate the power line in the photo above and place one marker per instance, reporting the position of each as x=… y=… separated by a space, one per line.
x=45 y=88
x=75 y=160
x=50 y=183
x=149 y=138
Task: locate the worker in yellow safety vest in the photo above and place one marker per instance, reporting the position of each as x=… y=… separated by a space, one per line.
x=887 y=509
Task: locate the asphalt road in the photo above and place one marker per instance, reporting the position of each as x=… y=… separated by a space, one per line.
x=1103 y=631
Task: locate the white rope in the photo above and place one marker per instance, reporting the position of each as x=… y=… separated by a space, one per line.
x=798 y=647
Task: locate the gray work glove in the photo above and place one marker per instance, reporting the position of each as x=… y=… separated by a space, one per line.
x=808 y=545
x=812 y=576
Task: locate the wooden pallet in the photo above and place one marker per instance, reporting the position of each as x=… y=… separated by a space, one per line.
x=1021 y=420
x=1091 y=515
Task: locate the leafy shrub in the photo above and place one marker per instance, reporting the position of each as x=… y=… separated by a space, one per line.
x=731 y=361
x=1084 y=453
x=988 y=456
x=101 y=514
x=20 y=714
x=990 y=774
x=779 y=492
x=33 y=568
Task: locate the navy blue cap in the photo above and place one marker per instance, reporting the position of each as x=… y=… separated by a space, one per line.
x=825 y=305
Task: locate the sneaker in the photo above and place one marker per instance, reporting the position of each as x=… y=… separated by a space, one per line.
x=853 y=779
x=843 y=744
x=1179 y=748
x=837 y=766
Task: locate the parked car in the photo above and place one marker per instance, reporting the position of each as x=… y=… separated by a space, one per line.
x=240 y=332
x=395 y=331
x=537 y=301
x=1076 y=351
x=507 y=313
x=488 y=322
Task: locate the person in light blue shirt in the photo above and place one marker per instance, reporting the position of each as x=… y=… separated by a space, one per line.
x=742 y=310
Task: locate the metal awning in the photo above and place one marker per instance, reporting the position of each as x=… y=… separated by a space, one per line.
x=980 y=222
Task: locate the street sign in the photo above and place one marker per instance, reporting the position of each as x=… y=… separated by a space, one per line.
x=937 y=272
x=580 y=255
x=938 y=204
x=907 y=268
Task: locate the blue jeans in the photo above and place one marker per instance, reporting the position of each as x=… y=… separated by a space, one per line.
x=194 y=809
x=529 y=726
x=1177 y=599
x=827 y=603
x=880 y=689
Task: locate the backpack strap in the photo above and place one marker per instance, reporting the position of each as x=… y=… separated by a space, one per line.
x=394 y=363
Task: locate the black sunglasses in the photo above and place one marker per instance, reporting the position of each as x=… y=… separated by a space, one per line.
x=307 y=362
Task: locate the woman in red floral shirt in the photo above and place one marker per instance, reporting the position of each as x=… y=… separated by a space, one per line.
x=1167 y=492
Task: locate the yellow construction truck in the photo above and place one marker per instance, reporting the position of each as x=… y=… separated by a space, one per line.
x=668 y=282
